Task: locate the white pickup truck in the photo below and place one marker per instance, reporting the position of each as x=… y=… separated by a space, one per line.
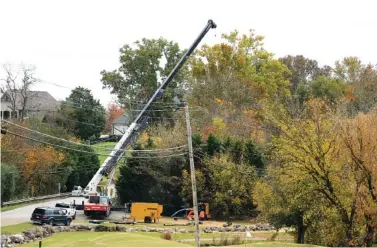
x=77 y=191
x=71 y=210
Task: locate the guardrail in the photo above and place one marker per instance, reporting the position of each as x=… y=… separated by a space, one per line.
x=9 y=203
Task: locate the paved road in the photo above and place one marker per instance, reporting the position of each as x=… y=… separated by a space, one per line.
x=20 y=215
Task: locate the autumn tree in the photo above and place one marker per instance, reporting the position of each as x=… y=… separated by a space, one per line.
x=310 y=147
x=285 y=201
x=361 y=82
x=359 y=136
x=231 y=81
x=112 y=113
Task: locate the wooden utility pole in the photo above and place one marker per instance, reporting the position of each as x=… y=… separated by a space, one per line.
x=193 y=180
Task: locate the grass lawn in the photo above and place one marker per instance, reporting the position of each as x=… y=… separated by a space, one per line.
x=99 y=148
x=272 y=244
x=103 y=239
x=14 y=229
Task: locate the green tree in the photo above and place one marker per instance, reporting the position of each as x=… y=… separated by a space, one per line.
x=236 y=151
x=329 y=89
x=9 y=180
x=303 y=70
x=254 y=157
x=228 y=188
x=82 y=167
x=152 y=180
x=213 y=145
x=81 y=114
x=141 y=72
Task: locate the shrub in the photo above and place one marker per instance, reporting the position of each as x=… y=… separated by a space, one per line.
x=166 y=236
x=101 y=228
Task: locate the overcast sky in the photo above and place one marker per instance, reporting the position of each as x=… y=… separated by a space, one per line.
x=70 y=42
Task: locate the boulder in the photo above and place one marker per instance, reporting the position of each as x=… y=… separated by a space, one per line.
x=120 y=228
x=132 y=229
x=182 y=231
x=17 y=238
x=81 y=228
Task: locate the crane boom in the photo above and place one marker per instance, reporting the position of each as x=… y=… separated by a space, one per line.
x=118 y=151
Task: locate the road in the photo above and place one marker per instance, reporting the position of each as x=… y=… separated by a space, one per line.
x=21 y=215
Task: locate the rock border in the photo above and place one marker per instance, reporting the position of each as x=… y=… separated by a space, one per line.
x=38 y=233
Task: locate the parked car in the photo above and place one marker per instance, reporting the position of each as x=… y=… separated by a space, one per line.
x=51 y=216
x=71 y=210
x=77 y=191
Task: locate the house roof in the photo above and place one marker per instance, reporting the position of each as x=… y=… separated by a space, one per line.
x=124 y=119
x=37 y=100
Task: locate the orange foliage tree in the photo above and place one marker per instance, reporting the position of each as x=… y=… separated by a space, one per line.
x=112 y=113
x=359 y=137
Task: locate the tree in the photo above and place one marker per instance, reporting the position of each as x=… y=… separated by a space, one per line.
x=254 y=157
x=112 y=113
x=224 y=177
x=83 y=115
x=18 y=92
x=360 y=143
x=82 y=167
x=237 y=151
x=9 y=180
x=151 y=180
x=309 y=148
x=213 y=145
x=287 y=200
x=303 y=70
x=141 y=72
x=232 y=80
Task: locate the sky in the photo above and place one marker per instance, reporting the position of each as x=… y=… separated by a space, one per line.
x=71 y=42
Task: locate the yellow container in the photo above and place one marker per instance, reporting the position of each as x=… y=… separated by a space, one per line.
x=146 y=212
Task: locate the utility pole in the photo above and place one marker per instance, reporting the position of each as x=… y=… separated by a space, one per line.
x=193 y=180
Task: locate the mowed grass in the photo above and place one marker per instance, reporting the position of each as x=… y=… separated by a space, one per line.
x=101 y=148
x=272 y=244
x=103 y=239
x=18 y=228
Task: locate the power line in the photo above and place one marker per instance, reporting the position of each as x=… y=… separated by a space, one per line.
x=79 y=144
x=72 y=149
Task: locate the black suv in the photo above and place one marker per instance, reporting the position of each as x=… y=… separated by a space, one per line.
x=51 y=216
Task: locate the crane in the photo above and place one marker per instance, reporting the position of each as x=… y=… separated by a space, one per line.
x=136 y=126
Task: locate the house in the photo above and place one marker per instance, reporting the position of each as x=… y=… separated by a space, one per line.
x=38 y=104
x=120 y=125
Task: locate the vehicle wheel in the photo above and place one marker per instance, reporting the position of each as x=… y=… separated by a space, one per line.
x=68 y=222
x=51 y=222
x=86 y=213
x=74 y=217
x=147 y=219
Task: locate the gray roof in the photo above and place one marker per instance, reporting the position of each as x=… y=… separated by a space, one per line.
x=124 y=119
x=37 y=100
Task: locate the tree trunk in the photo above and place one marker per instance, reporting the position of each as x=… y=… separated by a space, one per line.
x=368 y=240
x=301 y=228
